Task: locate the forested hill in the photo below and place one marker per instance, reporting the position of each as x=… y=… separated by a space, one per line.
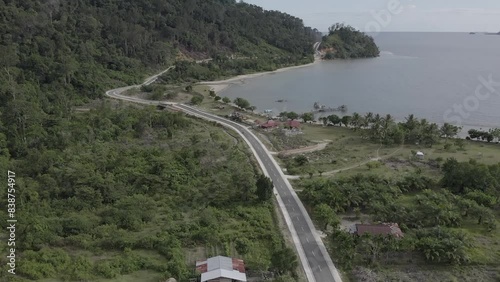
x=344 y=42
x=58 y=53
x=82 y=44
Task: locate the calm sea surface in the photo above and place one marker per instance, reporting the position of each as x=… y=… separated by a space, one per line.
x=425 y=74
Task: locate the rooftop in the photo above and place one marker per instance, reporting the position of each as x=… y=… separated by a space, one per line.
x=222 y=267
x=379 y=229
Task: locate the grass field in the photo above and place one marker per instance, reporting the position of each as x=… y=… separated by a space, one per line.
x=349 y=152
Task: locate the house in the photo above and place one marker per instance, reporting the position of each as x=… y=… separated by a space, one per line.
x=377 y=229
x=269 y=124
x=222 y=269
x=292 y=124
x=420 y=155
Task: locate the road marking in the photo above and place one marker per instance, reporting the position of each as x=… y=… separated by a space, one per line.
x=307 y=239
x=313 y=253
x=302 y=228
x=319 y=266
x=293 y=209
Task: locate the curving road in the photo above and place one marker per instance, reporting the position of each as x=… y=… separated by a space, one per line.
x=315 y=260
x=312 y=252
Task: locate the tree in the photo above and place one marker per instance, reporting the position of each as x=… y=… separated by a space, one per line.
x=284 y=261
x=356 y=121
x=242 y=103
x=307 y=117
x=264 y=188
x=226 y=100
x=441 y=245
x=217 y=98
x=334 y=119
x=325 y=215
x=344 y=246
x=449 y=130
x=346 y=120
x=212 y=94
x=301 y=160
x=495 y=132
x=196 y=100
x=292 y=115
x=189 y=88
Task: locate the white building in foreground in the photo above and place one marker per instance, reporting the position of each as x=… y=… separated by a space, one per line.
x=222 y=269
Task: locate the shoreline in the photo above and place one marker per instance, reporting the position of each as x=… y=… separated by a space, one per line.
x=220 y=85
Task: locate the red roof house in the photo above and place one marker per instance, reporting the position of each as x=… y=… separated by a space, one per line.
x=292 y=124
x=269 y=124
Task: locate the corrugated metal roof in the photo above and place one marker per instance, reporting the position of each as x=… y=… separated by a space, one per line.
x=218 y=273
x=219 y=262
x=222 y=267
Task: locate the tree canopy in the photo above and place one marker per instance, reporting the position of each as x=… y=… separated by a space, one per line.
x=344 y=42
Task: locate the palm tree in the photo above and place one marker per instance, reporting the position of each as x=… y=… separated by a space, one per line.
x=411 y=122
x=356 y=121
x=369 y=117
x=386 y=122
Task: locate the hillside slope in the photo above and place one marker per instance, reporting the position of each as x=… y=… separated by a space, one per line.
x=58 y=53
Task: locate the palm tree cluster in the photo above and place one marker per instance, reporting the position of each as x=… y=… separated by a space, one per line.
x=386 y=130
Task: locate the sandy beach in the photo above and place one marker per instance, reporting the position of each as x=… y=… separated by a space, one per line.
x=221 y=85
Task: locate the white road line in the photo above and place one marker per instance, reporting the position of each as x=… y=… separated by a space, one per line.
x=319 y=266
x=313 y=253
x=307 y=239
x=302 y=228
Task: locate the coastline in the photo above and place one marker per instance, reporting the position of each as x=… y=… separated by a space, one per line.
x=220 y=85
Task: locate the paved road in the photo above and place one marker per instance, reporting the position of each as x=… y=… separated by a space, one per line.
x=316 y=262
x=321 y=268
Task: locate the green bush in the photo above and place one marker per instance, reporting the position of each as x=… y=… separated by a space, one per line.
x=147 y=88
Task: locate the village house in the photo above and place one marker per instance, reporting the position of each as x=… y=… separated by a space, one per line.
x=292 y=124
x=391 y=229
x=222 y=269
x=269 y=124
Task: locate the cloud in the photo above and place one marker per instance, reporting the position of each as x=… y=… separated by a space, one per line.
x=412 y=6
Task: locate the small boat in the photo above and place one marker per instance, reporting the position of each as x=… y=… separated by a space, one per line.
x=280 y=101
x=268 y=111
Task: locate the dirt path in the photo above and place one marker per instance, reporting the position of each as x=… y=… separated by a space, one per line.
x=317 y=147
x=378 y=158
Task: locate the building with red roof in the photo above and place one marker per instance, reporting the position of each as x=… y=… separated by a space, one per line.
x=292 y=124
x=222 y=269
x=269 y=124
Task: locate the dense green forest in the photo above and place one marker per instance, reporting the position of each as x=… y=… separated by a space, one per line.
x=84 y=178
x=344 y=42
x=447 y=220
x=56 y=54
x=121 y=192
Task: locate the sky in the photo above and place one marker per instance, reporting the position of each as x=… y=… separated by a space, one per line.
x=394 y=15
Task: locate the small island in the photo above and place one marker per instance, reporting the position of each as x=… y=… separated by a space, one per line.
x=345 y=42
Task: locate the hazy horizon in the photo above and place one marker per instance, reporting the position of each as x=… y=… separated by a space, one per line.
x=394 y=15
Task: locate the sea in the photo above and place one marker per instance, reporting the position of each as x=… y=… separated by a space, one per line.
x=442 y=77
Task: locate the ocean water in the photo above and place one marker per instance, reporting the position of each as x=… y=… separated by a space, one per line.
x=443 y=77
